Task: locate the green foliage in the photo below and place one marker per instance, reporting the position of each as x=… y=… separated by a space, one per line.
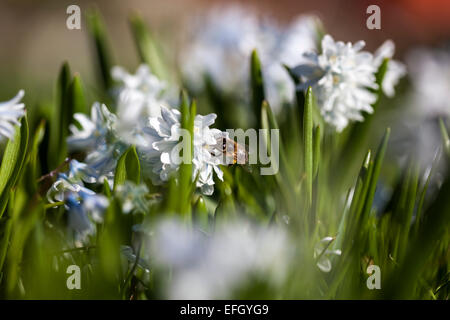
x=128 y=168
x=12 y=163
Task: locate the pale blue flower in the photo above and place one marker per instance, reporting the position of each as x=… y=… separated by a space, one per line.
x=83 y=204
x=133 y=197
x=79 y=171
x=62 y=188
x=78 y=219
x=94 y=204
x=94 y=131
x=98 y=138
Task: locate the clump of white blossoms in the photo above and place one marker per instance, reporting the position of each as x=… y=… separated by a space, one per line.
x=10 y=112
x=162 y=156
x=212 y=267
x=96 y=136
x=221 y=46
x=139 y=96
x=340 y=77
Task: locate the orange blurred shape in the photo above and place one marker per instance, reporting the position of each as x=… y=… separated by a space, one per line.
x=429 y=11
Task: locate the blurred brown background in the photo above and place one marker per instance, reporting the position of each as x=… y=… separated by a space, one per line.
x=35 y=40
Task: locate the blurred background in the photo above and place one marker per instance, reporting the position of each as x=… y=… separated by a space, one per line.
x=35 y=39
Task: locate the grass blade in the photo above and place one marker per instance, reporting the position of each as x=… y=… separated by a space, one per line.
x=61 y=117
x=257 y=86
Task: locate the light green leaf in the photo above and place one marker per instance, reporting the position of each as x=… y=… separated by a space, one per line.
x=185 y=175
x=12 y=162
x=76 y=100
x=317 y=136
x=61 y=117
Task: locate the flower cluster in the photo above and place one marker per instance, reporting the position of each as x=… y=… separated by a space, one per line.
x=342 y=77
x=163 y=155
x=221 y=45
x=82 y=203
x=97 y=137
x=144 y=119
x=212 y=267
x=10 y=112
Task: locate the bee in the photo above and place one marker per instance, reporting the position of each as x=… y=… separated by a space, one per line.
x=231 y=151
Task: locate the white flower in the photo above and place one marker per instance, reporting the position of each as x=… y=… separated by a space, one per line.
x=10 y=112
x=395 y=69
x=340 y=77
x=430 y=76
x=163 y=156
x=94 y=204
x=139 y=96
x=322 y=253
x=212 y=267
x=221 y=47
